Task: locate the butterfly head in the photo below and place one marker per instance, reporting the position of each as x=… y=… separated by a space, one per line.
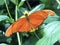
x=25 y=14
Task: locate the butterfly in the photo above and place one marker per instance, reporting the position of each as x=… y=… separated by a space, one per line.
x=29 y=22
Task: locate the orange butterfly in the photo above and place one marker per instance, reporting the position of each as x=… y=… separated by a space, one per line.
x=29 y=22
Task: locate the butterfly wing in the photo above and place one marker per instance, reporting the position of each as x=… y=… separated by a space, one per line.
x=20 y=25
x=25 y=27
x=49 y=12
x=37 y=18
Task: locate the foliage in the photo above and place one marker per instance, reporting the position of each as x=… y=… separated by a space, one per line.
x=52 y=33
x=47 y=34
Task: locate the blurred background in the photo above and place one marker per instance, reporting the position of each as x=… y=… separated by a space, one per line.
x=7 y=17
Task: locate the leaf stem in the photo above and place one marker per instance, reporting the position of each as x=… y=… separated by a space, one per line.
x=16 y=13
x=18 y=37
x=7 y=9
x=28 y=5
x=36 y=35
x=21 y=3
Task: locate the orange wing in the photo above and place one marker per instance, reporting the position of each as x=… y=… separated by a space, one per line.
x=22 y=25
x=37 y=18
x=49 y=12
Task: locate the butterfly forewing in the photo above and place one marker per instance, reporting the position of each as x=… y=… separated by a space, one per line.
x=37 y=18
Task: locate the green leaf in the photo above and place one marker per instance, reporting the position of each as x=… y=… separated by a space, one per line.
x=52 y=34
x=1 y=2
x=3 y=17
x=9 y=40
x=46 y=1
x=58 y=7
x=15 y=1
x=1 y=11
x=21 y=3
x=30 y=41
x=10 y=20
x=37 y=8
x=51 y=18
x=58 y=1
x=3 y=44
